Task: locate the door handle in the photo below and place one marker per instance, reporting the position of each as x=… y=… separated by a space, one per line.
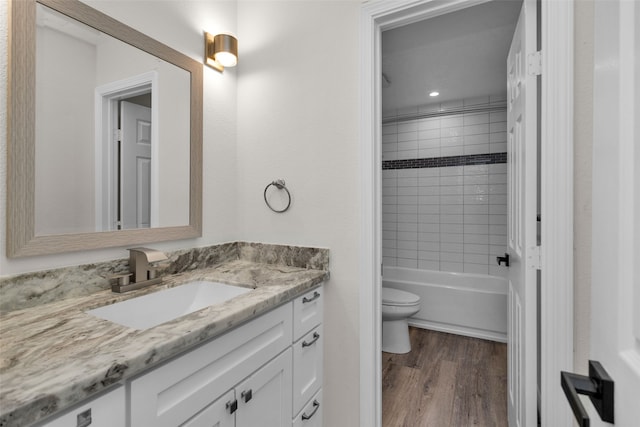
x=504 y=259
x=598 y=386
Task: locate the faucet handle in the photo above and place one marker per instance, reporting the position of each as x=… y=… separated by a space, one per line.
x=151 y=255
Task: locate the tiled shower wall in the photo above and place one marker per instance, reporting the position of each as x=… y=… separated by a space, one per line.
x=444 y=189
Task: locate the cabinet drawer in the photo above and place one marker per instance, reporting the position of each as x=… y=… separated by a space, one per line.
x=107 y=410
x=307 y=367
x=307 y=312
x=311 y=414
x=170 y=394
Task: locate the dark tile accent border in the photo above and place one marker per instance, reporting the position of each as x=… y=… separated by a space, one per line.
x=441 y=162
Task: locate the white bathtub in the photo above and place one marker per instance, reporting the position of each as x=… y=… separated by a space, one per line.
x=460 y=303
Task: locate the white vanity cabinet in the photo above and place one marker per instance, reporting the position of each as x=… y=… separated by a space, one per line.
x=266 y=373
x=173 y=393
x=105 y=410
x=263 y=399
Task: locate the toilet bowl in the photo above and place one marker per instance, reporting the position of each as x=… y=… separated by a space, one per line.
x=397 y=307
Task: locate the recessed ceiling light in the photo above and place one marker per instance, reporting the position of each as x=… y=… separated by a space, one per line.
x=434 y=93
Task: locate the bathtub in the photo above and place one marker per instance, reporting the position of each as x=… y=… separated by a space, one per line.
x=474 y=305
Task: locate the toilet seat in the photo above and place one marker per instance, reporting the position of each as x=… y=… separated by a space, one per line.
x=391 y=296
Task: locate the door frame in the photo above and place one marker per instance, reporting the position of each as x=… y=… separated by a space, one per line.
x=107 y=97
x=556 y=202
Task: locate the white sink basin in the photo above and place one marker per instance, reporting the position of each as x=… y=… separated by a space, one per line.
x=153 y=309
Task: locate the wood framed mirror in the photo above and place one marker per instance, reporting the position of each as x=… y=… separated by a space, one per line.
x=41 y=217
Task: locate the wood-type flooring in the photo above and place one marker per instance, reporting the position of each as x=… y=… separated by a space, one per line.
x=445 y=381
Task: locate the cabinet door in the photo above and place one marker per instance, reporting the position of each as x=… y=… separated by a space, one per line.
x=307 y=367
x=219 y=414
x=307 y=312
x=311 y=414
x=107 y=410
x=264 y=399
x=171 y=394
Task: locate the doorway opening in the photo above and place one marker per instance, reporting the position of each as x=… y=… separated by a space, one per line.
x=556 y=158
x=127 y=153
x=444 y=204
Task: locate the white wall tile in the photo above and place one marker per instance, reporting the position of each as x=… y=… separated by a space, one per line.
x=476 y=149
x=476 y=248
x=429 y=246
x=482 y=138
x=445 y=218
x=430 y=123
x=454 y=267
x=429 y=237
x=452 y=209
x=451 y=247
x=452 y=151
x=452 y=180
x=451 y=237
x=451 y=257
x=451 y=219
x=424 y=209
x=429 y=255
x=476 y=268
x=407 y=254
x=477 y=239
x=476 y=258
x=428 y=265
x=407 y=263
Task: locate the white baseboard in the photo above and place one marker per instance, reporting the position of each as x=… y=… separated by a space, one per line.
x=459 y=330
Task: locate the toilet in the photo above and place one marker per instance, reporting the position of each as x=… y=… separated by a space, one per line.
x=397 y=307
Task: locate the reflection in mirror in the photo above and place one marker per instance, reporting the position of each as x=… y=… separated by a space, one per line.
x=105 y=160
x=105 y=133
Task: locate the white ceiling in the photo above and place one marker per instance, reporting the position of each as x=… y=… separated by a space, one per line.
x=461 y=55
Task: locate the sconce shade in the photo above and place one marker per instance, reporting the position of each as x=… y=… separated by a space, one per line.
x=221 y=51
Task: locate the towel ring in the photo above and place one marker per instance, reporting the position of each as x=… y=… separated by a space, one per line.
x=280 y=185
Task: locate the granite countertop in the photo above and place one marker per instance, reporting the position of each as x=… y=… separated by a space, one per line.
x=55 y=355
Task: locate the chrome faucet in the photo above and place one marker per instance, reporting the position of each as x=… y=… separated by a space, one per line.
x=141 y=272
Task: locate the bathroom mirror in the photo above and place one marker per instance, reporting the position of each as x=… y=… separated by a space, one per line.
x=105 y=133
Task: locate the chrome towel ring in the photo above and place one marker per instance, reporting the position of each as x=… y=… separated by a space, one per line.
x=280 y=185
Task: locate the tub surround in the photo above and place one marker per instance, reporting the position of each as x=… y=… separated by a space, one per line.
x=54 y=355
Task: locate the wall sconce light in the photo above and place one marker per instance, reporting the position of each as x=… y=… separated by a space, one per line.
x=220 y=51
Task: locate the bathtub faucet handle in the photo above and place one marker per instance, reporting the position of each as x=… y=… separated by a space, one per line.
x=504 y=259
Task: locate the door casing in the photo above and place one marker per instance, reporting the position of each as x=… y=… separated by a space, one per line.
x=556 y=186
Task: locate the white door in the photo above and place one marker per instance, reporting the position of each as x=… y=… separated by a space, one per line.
x=615 y=294
x=522 y=199
x=135 y=166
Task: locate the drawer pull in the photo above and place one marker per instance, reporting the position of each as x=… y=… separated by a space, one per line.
x=83 y=419
x=315 y=296
x=232 y=406
x=247 y=395
x=316 y=337
x=316 y=405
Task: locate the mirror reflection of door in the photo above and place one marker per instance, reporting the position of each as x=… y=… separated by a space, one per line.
x=134 y=186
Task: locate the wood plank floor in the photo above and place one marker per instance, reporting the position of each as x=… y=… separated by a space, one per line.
x=445 y=381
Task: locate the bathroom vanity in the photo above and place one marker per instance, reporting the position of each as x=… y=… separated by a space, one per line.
x=260 y=373
x=255 y=359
